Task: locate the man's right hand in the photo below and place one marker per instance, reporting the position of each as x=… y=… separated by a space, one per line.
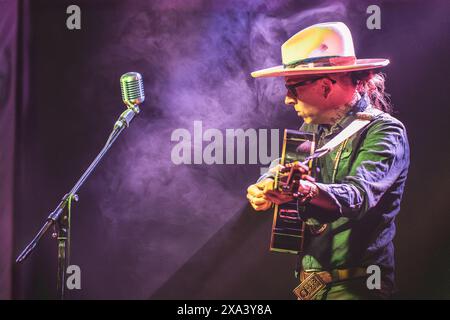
x=256 y=197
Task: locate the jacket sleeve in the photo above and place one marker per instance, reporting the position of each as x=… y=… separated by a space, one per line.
x=270 y=174
x=382 y=156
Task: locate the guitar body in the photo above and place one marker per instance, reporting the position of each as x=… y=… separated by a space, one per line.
x=288 y=229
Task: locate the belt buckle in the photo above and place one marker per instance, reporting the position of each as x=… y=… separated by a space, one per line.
x=309 y=287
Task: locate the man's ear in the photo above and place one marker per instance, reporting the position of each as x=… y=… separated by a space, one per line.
x=326 y=87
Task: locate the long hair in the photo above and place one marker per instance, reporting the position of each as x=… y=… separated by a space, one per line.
x=371 y=84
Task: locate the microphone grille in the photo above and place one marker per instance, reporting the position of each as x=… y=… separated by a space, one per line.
x=132 y=88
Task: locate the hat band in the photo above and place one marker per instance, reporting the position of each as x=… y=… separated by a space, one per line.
x=328 y=61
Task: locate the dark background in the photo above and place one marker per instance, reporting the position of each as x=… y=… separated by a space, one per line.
x=146 y=228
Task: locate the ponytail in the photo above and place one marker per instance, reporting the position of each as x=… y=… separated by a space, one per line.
x=371 y=84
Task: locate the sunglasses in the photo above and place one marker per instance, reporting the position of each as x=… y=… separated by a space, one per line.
x=292 y=88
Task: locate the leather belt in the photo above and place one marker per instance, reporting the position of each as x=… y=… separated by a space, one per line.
x=335 y=275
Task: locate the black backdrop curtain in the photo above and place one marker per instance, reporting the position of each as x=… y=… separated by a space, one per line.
x=8 y=50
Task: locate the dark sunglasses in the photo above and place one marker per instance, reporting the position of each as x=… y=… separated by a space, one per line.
x=292 y=88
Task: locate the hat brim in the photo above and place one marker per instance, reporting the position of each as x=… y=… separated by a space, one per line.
x=280 y=71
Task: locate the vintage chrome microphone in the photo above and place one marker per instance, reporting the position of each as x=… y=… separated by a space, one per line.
x=132 y=88
x=132 y=94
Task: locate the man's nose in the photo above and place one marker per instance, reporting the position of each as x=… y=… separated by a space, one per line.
x=290 y=100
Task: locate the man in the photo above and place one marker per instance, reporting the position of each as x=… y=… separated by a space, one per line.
x=354 y=198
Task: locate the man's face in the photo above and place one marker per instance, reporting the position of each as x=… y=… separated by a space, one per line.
x=317 y=95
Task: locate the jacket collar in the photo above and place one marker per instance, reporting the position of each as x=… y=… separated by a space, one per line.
x=360 y=105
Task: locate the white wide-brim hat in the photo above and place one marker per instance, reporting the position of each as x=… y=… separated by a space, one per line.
x=320 y=48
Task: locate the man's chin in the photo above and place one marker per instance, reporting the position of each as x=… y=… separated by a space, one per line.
x=307 y=119
x=305 y=115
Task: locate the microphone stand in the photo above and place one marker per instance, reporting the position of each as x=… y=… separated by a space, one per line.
x=60 y=218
